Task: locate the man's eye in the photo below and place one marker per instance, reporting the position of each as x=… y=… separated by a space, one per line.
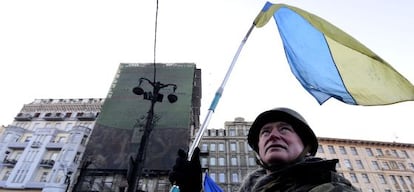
x=264 y=132
x=285 y=129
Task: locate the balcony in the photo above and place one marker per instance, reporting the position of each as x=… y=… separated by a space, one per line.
x=86 y=116
x=35 y=185
x=9 y=162
x=47 y=163
x=36 y=144
x=54 y=145
x=23 y=117
x=54 y=117
x=17 y=145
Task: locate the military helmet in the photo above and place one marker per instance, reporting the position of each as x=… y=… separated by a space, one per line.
x=287 y=115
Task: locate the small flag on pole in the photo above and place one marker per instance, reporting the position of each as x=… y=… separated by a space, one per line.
x=210 y=185
x=330 y=63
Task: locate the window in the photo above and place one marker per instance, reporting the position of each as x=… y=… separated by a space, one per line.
x=320 y=149
x=221 y=161
x=212 y=132
x=67 y=115
x=394 y=153
x=222 y=178
x=233 y=161
x=232 y=132
x=385 y=165
x=354 y=151
x=212 y=161
x=382 y=179
x=252 y=161
x=379 y=152
x=83 y=141
x=365 y=178
x=43 y=177
x=212 y=147
x=347 y=163
x=359 y=164
x=221 y=147
x=233 y=147
x=402 y=180
x=404 y=152
x=401 y=166
x=331 y=149
x=369 y=152
x=213 y=176
x=6 y=175
x=204 y=147
x=234 y=178
x=342 y=150
x=393 y=165
x=393 y=180
x=354 y=178
x=410 y=181
x=204 y=162
x=375 y=165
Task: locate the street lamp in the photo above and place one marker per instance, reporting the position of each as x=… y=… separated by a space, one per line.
x=154 y=96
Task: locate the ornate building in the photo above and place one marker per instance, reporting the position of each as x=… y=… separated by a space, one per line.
x=41 y=149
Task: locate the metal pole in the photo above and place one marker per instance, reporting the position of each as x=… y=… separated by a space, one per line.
x=140 y=157
x=217 y=97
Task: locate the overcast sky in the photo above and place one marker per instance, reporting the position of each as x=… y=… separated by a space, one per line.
x=72 y=49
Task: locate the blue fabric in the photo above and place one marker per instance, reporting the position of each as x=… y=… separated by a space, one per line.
x=210 y=185
x=310 y=58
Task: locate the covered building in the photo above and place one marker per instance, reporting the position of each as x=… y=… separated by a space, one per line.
x=111 y=154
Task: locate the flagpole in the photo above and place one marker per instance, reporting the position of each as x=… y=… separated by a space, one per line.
x=217 y=97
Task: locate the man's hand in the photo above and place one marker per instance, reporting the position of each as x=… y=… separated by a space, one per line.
x=187 y=174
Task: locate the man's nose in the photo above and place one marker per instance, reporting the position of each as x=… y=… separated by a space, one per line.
x=275 y=133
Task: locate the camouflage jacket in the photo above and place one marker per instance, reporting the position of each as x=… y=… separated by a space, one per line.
x=312 y=175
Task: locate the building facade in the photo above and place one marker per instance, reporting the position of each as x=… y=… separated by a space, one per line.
x=372 y=166
x=41 y=149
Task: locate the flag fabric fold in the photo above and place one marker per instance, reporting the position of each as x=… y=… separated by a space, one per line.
x=330 y=63
x=210 y=185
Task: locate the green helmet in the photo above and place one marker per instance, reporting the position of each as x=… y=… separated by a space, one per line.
x=289 y=116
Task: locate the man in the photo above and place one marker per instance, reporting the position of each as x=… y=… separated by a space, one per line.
x=285 y=147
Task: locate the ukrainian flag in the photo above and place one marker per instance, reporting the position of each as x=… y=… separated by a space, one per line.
x=330 y=63
x=210 y=185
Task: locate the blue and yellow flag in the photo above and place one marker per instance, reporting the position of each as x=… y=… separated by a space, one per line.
x=210 y=185
x=330 y=63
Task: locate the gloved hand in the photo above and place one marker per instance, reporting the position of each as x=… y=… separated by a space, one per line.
x=187 y=174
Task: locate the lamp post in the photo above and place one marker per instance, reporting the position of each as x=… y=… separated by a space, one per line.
x=154 y=96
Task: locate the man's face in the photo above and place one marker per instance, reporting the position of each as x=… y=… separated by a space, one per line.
x=279 y=143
